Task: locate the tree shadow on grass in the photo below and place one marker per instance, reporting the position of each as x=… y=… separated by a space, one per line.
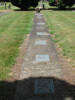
x=31 y=9
x=66 y=9
x=24 y=90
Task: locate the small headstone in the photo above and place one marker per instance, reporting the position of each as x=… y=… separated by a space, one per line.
x=40 y=23
x=42 y=33
x=41 y=42
x=44 y=86
x=42 y=58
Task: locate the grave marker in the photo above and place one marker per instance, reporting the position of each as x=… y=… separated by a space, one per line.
x=40 y=23
x=44 y=86
x=42 y=58
x=40 y=42
x=42 y=33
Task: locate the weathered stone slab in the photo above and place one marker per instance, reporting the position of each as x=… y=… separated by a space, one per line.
x=42 y=33
x=40 y=42
x=42 y=58
x=44 y=86
x=40 y=23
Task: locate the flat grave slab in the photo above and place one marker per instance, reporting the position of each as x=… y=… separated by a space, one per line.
x=40 y=23
x=38 y=14
x=40 y=28
x=42 y=33
x=42 y=58
x=44 y=86
x=40 y=42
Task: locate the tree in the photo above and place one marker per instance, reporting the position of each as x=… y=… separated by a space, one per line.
x=65 y=3
x=52 y=2
x=62 y=3
x=25 y=4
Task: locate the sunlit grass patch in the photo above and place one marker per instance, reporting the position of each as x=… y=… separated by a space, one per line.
x=13 y=30
x=62 y=25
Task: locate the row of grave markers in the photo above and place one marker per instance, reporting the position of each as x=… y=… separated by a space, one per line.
x=42 y=86
x=45 y=57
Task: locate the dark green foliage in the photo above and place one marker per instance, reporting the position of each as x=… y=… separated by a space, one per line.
x=52 y=2
x=65 y=3
x=62 y=3
x=25 y=4
x=4 y=0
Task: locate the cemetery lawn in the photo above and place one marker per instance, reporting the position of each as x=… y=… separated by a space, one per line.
x=13 y=30
x=61 y=25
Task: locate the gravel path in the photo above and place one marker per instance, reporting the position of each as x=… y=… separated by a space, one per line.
x=41 y=76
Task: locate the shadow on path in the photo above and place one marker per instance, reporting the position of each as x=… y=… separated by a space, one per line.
x=63 y=89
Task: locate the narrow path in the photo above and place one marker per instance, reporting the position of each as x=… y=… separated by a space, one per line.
x=41 y=76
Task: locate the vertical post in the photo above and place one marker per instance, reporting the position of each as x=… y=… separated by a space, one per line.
x=56 y=2
x=5 y=5
x=43 y=4
x=9 y=5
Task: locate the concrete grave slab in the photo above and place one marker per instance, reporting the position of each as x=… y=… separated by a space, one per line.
x=42 y=58
x=40 y=42
x=42 y=33
x=41 y=23
x=44 y=86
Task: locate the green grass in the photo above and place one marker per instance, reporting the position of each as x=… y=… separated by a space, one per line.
x=62 y=25
x=46 y=4
x=2 y=7
x=13 y=30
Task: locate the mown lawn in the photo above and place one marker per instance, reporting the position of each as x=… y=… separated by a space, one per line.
x=13 y=30
x=62 y=25
x=1 y=7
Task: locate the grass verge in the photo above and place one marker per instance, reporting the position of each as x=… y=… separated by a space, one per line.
x=61 y=25
x=13 y=30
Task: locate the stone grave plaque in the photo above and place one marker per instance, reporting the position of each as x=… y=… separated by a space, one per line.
x=44 y=86
x=42 y=58
x=42 y=33
x=40 y=42
x=40 y=23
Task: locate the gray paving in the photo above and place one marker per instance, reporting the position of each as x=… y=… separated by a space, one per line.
x=41 y=65
x=3 y=13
